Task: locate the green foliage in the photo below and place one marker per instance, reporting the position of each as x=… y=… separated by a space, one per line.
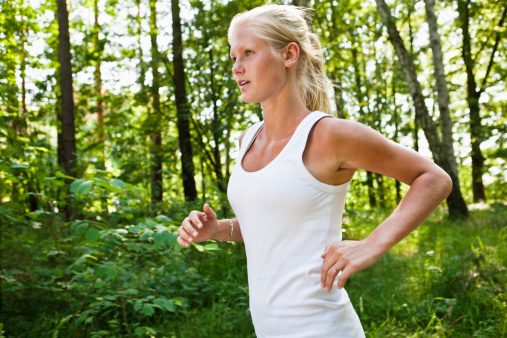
x=445 y=279
x=102 y=275
x=124 y=272
x=90 y=255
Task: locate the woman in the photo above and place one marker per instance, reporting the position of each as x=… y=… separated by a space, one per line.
x=291 y=177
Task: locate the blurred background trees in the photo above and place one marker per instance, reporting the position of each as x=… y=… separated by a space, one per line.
x=114 y=113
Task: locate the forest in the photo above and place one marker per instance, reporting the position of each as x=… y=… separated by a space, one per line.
x=117 y=118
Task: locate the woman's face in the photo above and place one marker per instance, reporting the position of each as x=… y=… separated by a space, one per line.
x=259 y=72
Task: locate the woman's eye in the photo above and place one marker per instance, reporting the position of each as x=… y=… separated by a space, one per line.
x=248 y=53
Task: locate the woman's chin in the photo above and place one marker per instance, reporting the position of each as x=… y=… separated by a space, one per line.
x=247 y=99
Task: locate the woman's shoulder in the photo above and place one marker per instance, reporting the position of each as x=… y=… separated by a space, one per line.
x=334 y=129
x=345 y=139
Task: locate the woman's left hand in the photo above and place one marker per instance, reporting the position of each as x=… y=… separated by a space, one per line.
x=348 y=256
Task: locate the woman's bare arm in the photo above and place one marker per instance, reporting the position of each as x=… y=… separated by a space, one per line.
x=352 y=145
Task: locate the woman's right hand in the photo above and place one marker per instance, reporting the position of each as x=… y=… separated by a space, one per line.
x=198 y=226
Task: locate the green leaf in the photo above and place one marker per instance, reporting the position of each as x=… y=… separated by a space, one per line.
x=211 y=247
x=165 y=303
x=92 y=235
x=164 y=219
x=199 y=247
x=150 y=223
x=84 y=187
x=139 y=331
x=74 y=225
x=162 y=238
x=106 y=270
x=46 y=150
x=111 y=272
x=35 y=214
x=100 y=270
x=75 y=184
x=144 y=330
x=173 y=240
x=19 y=166
x=121 y=232
x=81 y=229
x=138 y=306
x=117 y=183
x=133 y=229
x=59 y=174
x=85 y=257
x=148 y=310
x=147 y=234
x=130 y=292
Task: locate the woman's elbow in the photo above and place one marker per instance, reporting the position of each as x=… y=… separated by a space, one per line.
x=445 y=183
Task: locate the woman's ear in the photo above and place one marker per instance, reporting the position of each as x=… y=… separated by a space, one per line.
x=291 y=54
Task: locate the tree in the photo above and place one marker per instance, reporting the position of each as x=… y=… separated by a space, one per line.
x=154 y=118
x=474 y=92
x=441 y=84
x=98 y=48
x=183 y=109
x=439 y=148
x=68 y=157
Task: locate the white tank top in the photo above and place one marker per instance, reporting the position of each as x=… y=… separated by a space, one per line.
x=287 y=217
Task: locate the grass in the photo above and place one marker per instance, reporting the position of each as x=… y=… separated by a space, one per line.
x=447 y=278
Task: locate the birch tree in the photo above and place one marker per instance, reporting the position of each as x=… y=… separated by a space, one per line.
x=439 y=147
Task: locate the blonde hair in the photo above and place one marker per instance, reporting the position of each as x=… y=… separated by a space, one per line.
x=280 y=25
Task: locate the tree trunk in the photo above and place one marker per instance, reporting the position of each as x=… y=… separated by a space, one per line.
x=1 y=264
x=183 y=114
x=441 y=83
x=396 y=119
x=155 y=120
x=203 y=179
x=473 y=96
x=415 y=133
x=68 y=138
x=455 y=202
x=24 y=111
x=302 y=3
x=142 y=66
x=380 y=190
x=32 y=198
x=216 y=130
x=228 y=153
x=98 y=89
x=362 y=114
x=371 y=190
x=338 y=97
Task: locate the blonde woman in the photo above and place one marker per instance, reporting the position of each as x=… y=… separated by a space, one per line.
x=291 y=177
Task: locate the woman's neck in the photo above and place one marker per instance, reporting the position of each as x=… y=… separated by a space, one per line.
x=283 y=115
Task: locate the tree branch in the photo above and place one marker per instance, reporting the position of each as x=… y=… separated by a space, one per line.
x=495 y=47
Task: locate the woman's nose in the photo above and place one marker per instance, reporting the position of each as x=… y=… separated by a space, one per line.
x=236 y=68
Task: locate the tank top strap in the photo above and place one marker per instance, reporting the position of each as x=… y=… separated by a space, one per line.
x=301 y=138
x=248 y=139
